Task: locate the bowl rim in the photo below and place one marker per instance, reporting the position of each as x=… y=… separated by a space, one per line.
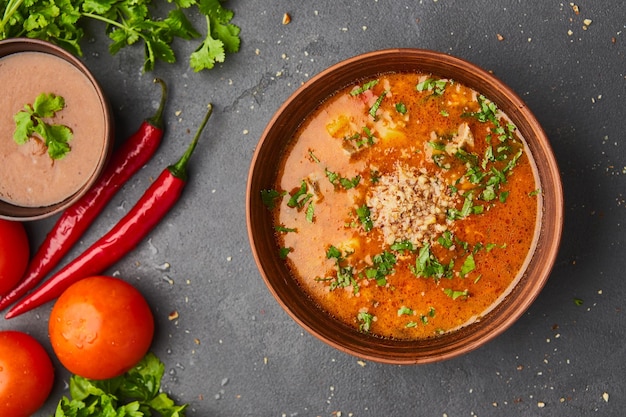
x=412 y=352
x=9 y=211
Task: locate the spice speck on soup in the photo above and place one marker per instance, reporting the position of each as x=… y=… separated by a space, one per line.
x=406 y=205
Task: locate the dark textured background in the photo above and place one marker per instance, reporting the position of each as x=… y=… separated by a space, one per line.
x=234 y=352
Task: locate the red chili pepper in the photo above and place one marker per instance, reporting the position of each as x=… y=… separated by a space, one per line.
x=133 y=154
x=157 y=200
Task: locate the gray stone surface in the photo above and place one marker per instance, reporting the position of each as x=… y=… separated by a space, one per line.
x=234 y=352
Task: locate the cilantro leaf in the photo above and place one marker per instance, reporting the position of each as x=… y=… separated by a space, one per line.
x=221 y=36
x=30 y=123
x=127 y=22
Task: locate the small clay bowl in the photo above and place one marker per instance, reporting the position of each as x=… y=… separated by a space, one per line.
x=12 y=210
x=298 y=305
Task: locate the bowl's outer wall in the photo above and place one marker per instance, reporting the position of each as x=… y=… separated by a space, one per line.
x=263 y=173
x=10 y=46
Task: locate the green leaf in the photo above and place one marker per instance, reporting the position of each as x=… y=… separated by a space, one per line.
x=428 y=266
x=405 y=311
x=134 y=394
x=468 y=265
x=101 y=7
x=180 y=26
x=269 y=198
x=383 y=266
x=363 y=213
x=208 y=53
x=365 y=321
x=23 y=126
x=166 y=406
x=46 y=105
x=367 y=86
x=454 y=294
x=30 y=123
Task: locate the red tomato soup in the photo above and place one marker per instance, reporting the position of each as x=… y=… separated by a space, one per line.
x=406 y=206
x=28 y=175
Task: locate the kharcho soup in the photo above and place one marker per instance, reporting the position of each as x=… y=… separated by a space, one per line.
x=406 y=205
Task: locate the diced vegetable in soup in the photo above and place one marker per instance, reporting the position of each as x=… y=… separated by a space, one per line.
x=406 y=206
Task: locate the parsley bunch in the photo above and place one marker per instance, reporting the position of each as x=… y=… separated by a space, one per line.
x=127 y=22
x=134 y=394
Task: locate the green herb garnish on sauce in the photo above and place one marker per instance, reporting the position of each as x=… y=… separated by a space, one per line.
x=363 y=213
x=431 y=84
x=345 y=273
x=336 y=179
x=428 y=266
x=367 y=86
x=31 y=123
x=269 y=198
x=383 y=266
x=365 y=321
x=377 y=104
x=401 y=108
x=454 y=294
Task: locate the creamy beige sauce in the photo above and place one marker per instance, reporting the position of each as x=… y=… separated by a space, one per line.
x=28 y=176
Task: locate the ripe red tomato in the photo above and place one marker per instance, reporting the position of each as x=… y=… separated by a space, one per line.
x=14 y=254
x=100 y=327
x=26 y=374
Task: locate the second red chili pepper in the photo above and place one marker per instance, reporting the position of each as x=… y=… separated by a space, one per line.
x=158 y=199
x=133 y=154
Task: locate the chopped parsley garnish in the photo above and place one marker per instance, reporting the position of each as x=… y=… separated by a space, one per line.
x=401 y=108
x=432 y=84
x=344 y=273
x=467 y=208
x=300 y=199
x=336 y=180
x=367 y=86
x=405 y=311
x=404 y=245
x=363 y=214
x=454 y=294
x=383 y=266
x=374 y=176
x=284 y=229
x=362 y=139
x=428 y=266
x=468 y=265
x=365 y=320
x=284 y=252
x=269 y=197
x=446 y=239
x=310 y=212
x=377 y=104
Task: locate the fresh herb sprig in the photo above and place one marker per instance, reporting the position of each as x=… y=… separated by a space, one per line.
x=32 y=122
x=127 y=22
x=137 y=393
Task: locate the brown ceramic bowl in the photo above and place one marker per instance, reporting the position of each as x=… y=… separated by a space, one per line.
x=263 y=173
x=13 y=211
